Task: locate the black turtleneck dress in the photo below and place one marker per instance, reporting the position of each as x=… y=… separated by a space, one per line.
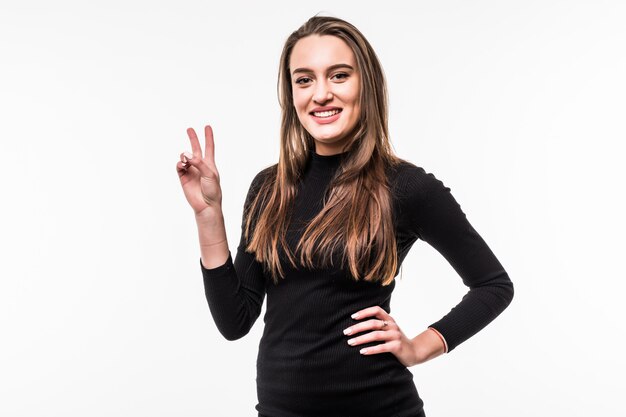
x=305 y=367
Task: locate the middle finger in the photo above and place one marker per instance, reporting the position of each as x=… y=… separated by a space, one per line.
x=195 y=143
x=373 y=324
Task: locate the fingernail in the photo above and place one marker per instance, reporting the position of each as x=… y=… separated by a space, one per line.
x=355 y=315
x=351 y=341
x=364 y=350
x=188 y=155
x=347 y=331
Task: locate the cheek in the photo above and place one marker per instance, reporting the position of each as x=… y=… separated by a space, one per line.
x=356 y=113
x=299 y=100
x=352 y=96
x=355 y=107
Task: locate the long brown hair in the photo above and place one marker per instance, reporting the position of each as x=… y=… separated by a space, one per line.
x=357 y=214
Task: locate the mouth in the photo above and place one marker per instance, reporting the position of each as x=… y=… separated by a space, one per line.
x=325 y=114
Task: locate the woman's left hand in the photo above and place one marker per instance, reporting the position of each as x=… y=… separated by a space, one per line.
x=385 y=329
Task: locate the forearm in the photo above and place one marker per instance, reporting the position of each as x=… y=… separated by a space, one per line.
x=212 y=236
x=480 y=306
x=234 y=287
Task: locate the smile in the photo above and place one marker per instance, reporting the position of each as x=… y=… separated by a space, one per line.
x=328 y=113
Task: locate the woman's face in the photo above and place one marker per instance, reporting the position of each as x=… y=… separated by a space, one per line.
x=325 y=84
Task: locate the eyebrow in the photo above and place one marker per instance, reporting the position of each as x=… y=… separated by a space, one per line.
x=332 y=67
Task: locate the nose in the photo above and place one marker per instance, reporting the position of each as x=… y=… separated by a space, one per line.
x=322 y=92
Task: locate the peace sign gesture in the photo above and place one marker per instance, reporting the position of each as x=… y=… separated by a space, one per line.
x=198 y=174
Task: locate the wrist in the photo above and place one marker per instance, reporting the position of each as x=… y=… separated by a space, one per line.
x=210 y=214
x=443 y=340
x=428 y=346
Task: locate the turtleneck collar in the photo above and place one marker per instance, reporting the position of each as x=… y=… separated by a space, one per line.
x=324 y=164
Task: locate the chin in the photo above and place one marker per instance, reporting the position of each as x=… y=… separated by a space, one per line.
x=328 y=140
x=327 y=135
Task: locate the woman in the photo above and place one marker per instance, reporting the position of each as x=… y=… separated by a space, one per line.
x=324 y=233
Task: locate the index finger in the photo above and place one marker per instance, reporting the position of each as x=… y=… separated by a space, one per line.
x=195 y=144
x=375 y=311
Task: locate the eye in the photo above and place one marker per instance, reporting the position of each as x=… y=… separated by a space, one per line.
x=299 y=80
x=343 y=75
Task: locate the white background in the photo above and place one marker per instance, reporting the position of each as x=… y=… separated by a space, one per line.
x=518 y=106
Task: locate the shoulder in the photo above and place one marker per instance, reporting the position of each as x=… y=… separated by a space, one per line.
x=264 y=175
x=425 y=204
x=413 y=182
x=262 y=178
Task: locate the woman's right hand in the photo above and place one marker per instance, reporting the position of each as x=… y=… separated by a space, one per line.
x=198 y=175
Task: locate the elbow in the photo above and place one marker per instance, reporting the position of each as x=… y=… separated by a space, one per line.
x=509 y=291
x=500 y=289
x=505 y=291
x=232 y=336
x=234 y=329
x=233 y=324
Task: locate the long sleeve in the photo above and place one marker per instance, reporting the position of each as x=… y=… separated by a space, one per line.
x=235 y=290
x=437 y=218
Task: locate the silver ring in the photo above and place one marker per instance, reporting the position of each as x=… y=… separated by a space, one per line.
x=385 y=323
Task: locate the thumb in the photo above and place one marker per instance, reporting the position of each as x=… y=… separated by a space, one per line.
x=196 y=162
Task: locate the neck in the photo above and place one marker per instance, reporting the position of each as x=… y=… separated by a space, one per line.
x=325 y=164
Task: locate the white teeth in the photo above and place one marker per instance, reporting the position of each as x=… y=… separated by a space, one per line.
x=326 y=113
